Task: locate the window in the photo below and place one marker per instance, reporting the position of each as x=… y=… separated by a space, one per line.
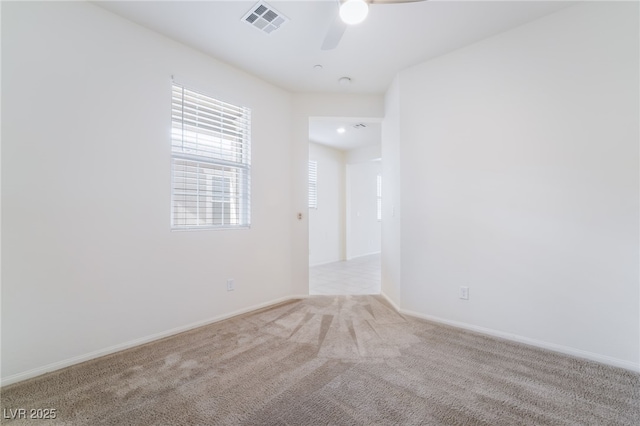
x=313 y=184
x=379 y=192
x=210 y=162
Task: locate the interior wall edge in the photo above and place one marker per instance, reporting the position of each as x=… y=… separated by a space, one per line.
x=390 y=301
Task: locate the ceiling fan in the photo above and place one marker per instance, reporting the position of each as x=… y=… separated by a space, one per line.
x=351 y=12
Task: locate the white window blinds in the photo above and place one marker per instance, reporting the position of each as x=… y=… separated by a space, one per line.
x=379 y=194
x=313 y=184
x=211 y=161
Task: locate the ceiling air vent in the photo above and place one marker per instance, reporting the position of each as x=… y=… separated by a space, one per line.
x=265 y=18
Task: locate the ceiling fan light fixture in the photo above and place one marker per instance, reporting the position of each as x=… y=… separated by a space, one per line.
x=353 y=12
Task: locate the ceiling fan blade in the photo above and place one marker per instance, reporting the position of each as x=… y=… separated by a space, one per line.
x=334 y=34
x=338 y=27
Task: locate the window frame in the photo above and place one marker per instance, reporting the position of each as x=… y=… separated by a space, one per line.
x=212 y=155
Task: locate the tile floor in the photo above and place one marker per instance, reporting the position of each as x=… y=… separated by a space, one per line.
x=356 y=276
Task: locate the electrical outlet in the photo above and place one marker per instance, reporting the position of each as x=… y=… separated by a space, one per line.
x=464 y=293
x=231 y=284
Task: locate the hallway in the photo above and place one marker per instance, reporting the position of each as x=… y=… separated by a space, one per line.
x=356 y=277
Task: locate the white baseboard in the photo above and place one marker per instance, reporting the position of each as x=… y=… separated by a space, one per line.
x=299 y=296
x=363 y=255
x=132 y=343
x=391 y=302
x=579 y=353
x=136 y=342
x=325 y=263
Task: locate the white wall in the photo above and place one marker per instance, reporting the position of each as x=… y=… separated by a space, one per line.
x=391 y=230
x=89 y=261
x=364 y=153
x=363 y=227
x=344 y=225
x=519 y=175
x=327 y=222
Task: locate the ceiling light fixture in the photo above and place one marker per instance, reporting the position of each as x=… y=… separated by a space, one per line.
x=341 y=130
x=353 y=12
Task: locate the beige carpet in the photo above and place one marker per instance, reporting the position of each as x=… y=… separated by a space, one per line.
x=346 y=360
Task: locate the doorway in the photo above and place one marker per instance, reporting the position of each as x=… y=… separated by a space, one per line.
x=345 y=169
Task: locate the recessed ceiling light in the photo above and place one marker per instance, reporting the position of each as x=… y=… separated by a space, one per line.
x=317 y=67
x=344 y=81
x=341 y=130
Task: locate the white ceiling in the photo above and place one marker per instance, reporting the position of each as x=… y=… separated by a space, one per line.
x=324 y=131
x=393 y=37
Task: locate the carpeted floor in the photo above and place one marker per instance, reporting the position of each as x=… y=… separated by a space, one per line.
x=332 y=360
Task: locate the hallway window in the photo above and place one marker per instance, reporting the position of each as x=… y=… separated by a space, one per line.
x=313 y=184
x=210 y=162
x=379 y=192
